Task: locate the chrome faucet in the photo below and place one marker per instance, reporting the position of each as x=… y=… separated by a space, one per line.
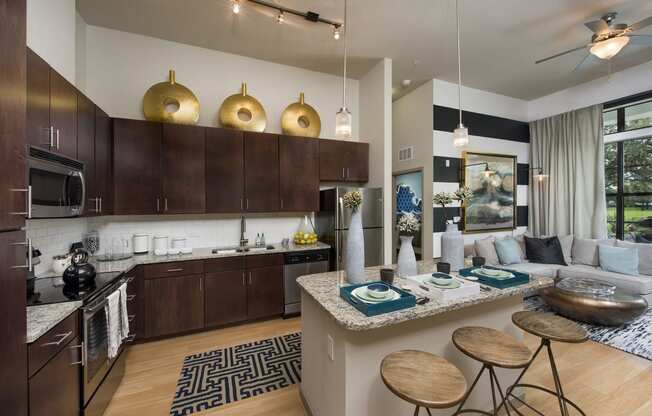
x=243 y=230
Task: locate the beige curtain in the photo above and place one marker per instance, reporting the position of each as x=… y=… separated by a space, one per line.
x=570 y=148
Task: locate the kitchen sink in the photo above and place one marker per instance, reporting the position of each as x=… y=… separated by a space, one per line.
x=239 y=249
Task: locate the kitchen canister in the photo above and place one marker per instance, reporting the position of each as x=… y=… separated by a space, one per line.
x=160 y=245
x=141 y=243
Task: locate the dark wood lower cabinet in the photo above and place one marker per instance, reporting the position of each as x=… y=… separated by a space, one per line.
x=265 y=292
x=226 y=297
x=174 y=305
x=55 y=389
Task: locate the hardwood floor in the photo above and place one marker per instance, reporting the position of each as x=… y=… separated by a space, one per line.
x=602 y=380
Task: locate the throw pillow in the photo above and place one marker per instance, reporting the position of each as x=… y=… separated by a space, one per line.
x=485 y=248
x=619 y=259
x=509 y=251
x=585 y=251
x=544 y=250
x=520 y=239
x=644 y=255
x=566 y=242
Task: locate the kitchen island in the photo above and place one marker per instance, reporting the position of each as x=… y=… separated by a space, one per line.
x=342 y=348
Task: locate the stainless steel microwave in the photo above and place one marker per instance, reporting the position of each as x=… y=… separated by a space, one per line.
x=56 y=185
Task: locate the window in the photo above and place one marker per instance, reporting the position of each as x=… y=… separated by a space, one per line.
x=628 y=185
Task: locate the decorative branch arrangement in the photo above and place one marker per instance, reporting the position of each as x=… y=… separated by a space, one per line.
x=446 y=198
x=408 y=224
x=352 y=200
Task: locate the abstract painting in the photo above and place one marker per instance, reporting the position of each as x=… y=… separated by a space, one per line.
x=492 y=178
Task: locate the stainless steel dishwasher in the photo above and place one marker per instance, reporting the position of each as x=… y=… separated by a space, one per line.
x=297 y=265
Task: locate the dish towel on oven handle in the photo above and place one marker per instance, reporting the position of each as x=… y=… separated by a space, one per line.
x=117 y=319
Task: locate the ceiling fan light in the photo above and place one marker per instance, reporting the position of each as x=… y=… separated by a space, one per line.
x=460 y=136
x=609 y=48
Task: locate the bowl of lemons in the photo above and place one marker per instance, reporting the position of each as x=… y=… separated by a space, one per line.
x=305 y=238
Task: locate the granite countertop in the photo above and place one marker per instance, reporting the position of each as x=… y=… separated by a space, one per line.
x=42 y=318
x=324 y=289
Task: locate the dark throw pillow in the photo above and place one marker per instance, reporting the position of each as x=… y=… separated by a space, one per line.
x=544 y=250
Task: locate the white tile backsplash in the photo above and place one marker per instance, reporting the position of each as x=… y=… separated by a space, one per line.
x=54 y=236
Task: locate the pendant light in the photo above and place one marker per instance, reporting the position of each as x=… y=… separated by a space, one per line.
x=343 y=119
x=461 y=133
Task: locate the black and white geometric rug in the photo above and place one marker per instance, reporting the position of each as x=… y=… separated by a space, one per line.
x=634 y=337
x=215 y=378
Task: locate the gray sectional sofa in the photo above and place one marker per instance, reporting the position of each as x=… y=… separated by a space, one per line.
x=581 y=255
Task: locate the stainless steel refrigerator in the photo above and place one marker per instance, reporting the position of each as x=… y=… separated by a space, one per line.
x=332 y=223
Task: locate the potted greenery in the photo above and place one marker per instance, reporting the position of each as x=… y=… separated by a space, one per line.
x=407 y=226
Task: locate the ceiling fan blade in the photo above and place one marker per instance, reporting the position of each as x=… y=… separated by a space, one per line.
x=581 y=62
x=560 y=54
x=640 y=25
x=597 y=26
x=640 y=39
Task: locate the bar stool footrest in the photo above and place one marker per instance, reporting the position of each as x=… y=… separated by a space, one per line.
x=545 y=390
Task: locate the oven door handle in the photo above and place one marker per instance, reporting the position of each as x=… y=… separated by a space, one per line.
x=96 y=308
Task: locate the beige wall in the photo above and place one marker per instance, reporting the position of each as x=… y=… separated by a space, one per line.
x=412 y=126
x=376 y=128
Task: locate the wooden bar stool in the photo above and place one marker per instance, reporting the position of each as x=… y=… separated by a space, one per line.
x=423 y=379
x=492 y=348
x=548 y=327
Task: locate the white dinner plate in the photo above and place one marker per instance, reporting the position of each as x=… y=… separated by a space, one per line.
x=361 y=293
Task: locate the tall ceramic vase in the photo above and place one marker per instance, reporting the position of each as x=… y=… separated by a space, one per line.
x=354 y=261
x=407 y=261
x=452 y=247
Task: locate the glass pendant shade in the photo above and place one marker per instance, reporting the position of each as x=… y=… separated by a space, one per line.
x=460 y=136
x=609 y=48
x=343 y=121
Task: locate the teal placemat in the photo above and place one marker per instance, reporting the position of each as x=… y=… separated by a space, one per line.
x=519 y=278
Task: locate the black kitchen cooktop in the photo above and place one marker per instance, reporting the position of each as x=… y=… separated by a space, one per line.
x=53 y=290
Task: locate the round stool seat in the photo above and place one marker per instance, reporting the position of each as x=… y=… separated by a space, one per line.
x=492 y=347
x=549 y=326
x=423 y=379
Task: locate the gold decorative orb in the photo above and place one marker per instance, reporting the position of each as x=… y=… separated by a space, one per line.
x=243 y=112
x=171 y=102
x=300 y=119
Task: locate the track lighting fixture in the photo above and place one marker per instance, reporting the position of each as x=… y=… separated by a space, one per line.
x=336 y=32
x=280 y=18
x=235 y=6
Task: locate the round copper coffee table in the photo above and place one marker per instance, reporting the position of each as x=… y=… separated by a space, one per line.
x=593 y=301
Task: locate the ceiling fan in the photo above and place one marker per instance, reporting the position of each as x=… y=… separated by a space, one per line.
x=609 y=38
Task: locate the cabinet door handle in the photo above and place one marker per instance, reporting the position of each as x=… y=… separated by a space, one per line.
x=130 y=298
x=130 y=318
x=165 y=204
x=247 y=203
x=96 y=206
x=100 y=198
x=343 y=173
x=348 y=174
x=158 y=204
x=130 y=338
x=51 y=144
x=175 y=270
x=241 y=204
x=28 y=202
x=57 y=139
x=244 y=281
x=62 y=337
x=29 y=266
x=281 y=203
x=201 y=284
x=83 y=356
x=249 y=278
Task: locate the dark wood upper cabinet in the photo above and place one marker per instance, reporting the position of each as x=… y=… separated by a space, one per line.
x=103 y=149
x=341 y=161
x=38 y=102
x=63 y=115
x=86 y=150
x=299 y=173
x=55 y=389
x=13 y=195
x=184 y=171
x=13 y=326
x=261 y=172
x=224 y=170
x=136 y=167
x=358 y=157
x=173 y=305
x=225 y=297
x=265 y=292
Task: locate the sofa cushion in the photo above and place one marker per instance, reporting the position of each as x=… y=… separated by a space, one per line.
x=536 y=269
x=585 y=251
x=644 y=255
x=638 y=285
x=544 y=250
x=485 y=248
x=509 y=251
x=618 y=259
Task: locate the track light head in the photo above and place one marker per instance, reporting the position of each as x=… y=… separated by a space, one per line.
x=336 y=32
x=235 y=6
x=280 y=18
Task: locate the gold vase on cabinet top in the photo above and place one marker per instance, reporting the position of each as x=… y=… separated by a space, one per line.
x=300 y=119
x=243 y=112
x=171 y=102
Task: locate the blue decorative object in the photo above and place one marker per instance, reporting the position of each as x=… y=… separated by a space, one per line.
x=407 y=300
x=518 y=279
x=618 y=259
x=406 y=200
x=509 y=251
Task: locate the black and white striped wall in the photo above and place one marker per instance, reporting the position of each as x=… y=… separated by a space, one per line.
x=497 y=124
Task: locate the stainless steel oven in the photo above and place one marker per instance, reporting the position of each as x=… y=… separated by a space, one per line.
x=101 y=374
x=56 y=185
